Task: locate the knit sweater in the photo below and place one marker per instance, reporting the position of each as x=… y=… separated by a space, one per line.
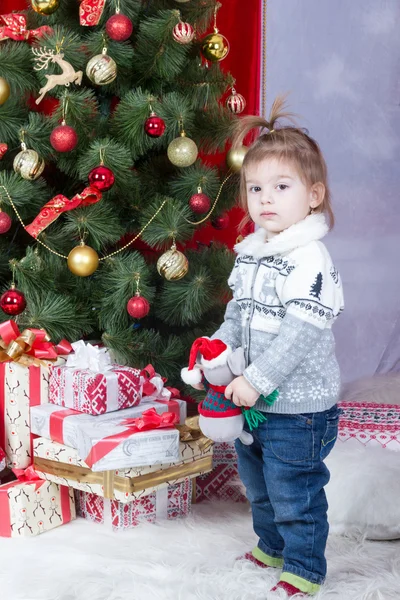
x=286 y=296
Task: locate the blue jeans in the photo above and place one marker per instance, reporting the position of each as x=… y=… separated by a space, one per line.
x=284 y=475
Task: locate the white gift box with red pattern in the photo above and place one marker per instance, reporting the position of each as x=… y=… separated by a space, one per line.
x=169 y=502
x=21 y=387
x=61 y=464
x=94 y=392
x=31 y=507
x=105 y=442
x=370 y=424
x=223 y=482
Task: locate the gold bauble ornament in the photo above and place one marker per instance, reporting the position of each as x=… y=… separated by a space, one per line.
x=28 y=164
x=215 y=47
x=173 y=265
x=83 y=260
x=4 y=90
x=182 y=151
x=45 y=7
x=101 y=69
x=235 y=158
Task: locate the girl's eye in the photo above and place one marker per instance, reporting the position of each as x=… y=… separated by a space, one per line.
x=282 y=186
x=255 y=188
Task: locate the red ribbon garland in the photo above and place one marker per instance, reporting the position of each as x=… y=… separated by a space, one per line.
x=90 y=12
x=60 y=204
x=15 y=29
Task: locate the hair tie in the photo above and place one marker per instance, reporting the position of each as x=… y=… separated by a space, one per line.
x=271 y=131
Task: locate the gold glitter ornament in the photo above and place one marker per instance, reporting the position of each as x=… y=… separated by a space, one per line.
x=173 y=265
x=182 y=151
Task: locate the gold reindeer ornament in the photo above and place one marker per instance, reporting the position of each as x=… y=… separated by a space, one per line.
x=42 y=58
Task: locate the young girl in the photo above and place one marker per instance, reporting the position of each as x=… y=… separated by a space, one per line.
x=286 y=296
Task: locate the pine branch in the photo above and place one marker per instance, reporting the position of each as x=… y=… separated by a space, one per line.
x=12 y=118
x=16 y=67
x=98 y=221
x=170 y=223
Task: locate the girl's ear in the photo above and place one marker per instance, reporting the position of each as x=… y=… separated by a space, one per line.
x=317 y=194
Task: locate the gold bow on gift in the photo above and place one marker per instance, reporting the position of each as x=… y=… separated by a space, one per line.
x=191 y=432
x=29 y=347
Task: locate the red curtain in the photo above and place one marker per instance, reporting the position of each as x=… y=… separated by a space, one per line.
x=241 y=24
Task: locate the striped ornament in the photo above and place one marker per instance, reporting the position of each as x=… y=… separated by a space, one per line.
x=236 y=103
x=183 y=33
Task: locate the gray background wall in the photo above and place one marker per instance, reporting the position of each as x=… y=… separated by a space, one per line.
x=339 y=59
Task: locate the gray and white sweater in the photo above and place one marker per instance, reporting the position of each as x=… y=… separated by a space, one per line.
x=286 y=296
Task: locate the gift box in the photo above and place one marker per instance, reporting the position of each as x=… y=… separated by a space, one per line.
x=89 y=383
x=223 y=482
x=62 y=465
x=112 y=441
x=24 y=382
x=169 y=502
x=370 y=423
x=2 y=460
x=34 y=506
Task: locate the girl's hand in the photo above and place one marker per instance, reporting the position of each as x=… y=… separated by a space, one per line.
x=241 y=392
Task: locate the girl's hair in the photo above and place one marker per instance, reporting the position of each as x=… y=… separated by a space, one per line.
x=288 y=143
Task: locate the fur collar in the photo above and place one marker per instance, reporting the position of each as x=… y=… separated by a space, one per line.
x=312 y=228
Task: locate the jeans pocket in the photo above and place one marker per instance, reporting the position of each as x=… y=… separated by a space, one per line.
x=331 y=431
x=291 y=437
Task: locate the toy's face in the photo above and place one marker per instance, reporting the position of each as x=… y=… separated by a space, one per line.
x=219 y=376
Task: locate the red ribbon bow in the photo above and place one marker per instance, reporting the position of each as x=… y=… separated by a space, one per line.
x=150 y=419
x=59 y=204
x=15 y=29
x=90 y=12
x=32 y=342
x=27 y=475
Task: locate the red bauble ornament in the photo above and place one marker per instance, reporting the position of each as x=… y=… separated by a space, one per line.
x=63 y=138
x=183 y=33
x=5 y=222
x=3 y=150
x=154 y=126
x=12 y=302
x=138 y=307
x=119 y=28
x=236 y=102
x=200 y=203
x=102 y=178
x=221 y=222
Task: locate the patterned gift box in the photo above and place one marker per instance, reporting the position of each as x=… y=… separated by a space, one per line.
x=21 y=387
x=31 y=507
x=370 y=423
x=93 y=392
x=223 y=482
x=62 y=465
x=169 y=502
x=106 y=442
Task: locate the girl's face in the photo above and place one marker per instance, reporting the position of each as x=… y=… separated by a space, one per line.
x=277 y=197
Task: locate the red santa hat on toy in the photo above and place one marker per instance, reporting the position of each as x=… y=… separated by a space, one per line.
x=213 y=353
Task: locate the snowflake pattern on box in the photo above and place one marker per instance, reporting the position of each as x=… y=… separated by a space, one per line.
x=370 y=423
x=131 y=514
x=86 y=391
x=223 y=483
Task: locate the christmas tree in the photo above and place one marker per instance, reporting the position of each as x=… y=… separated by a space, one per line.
x=104 y=107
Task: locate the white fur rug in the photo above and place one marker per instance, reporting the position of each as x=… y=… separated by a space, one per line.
x=189 y=559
